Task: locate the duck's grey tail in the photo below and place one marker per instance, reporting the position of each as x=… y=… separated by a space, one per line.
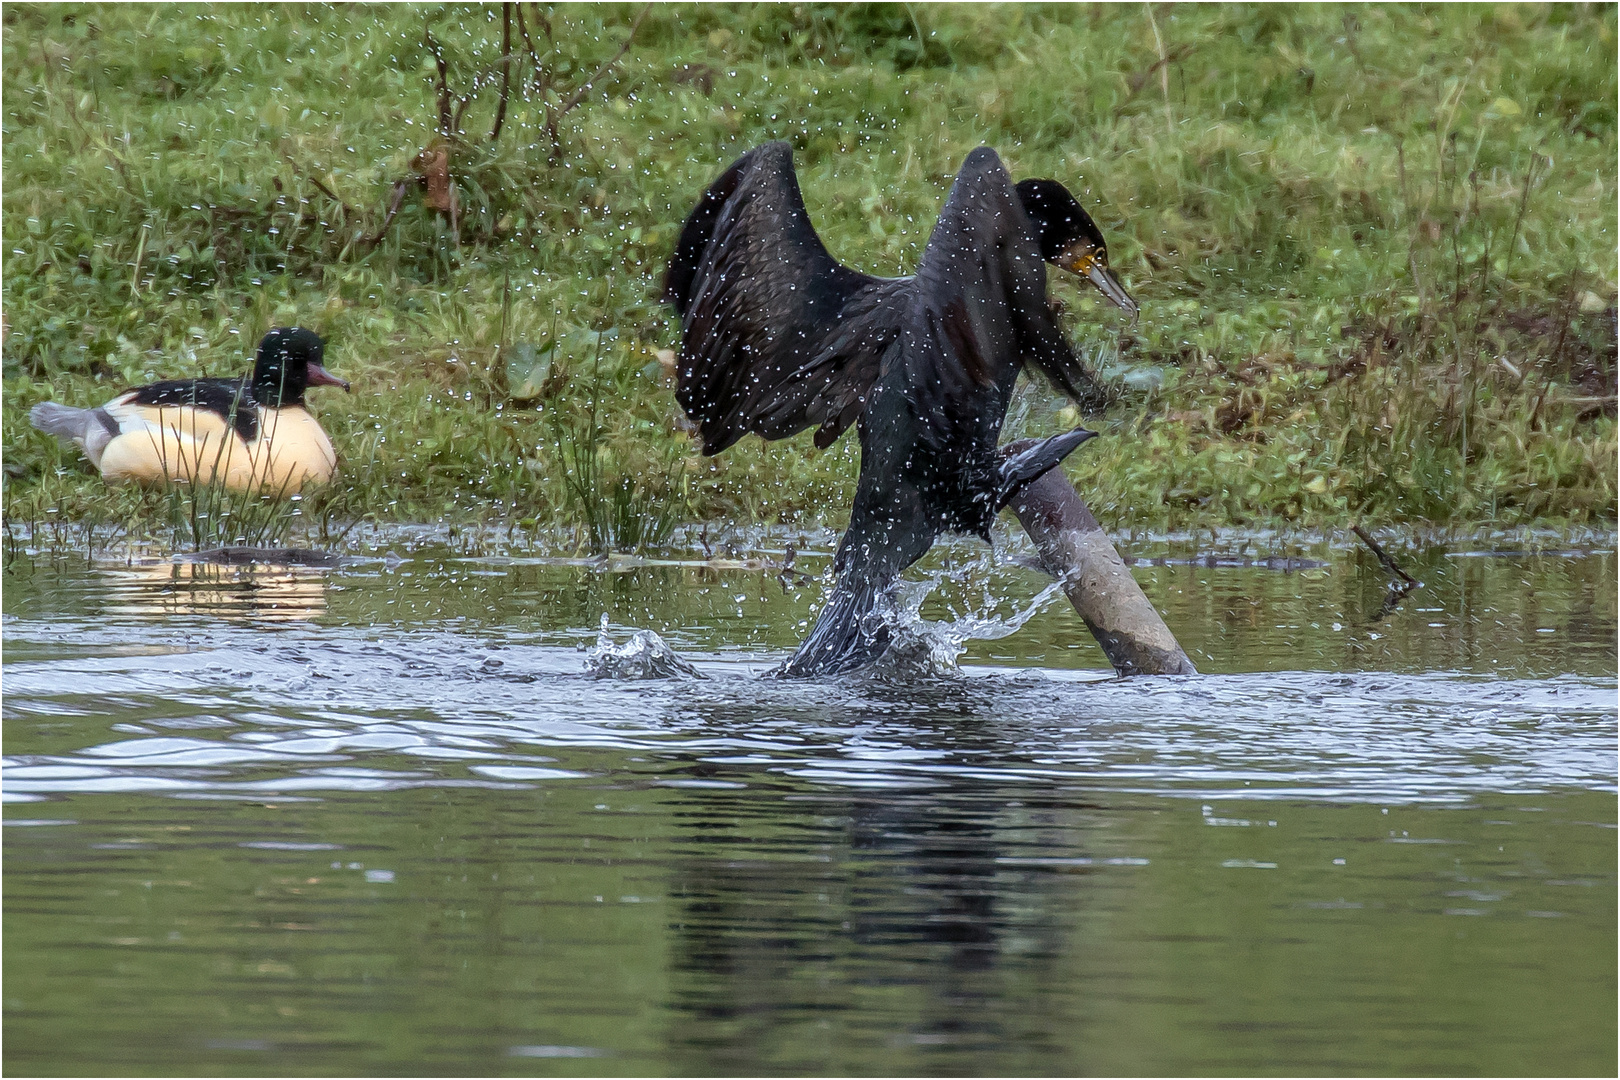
x=853 y=629
x=63 y=421
x=90 y=428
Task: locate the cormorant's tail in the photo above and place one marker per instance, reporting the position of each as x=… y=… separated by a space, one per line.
x=853 y=629
x=1019 y=470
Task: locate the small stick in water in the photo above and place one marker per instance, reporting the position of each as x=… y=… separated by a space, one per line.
x=1397 y=589
x=1383 y=557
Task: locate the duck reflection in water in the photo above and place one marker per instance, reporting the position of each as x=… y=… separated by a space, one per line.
x=254 y=593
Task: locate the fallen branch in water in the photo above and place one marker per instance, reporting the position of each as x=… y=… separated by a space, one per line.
x=1074 y=549
x=1397 y=589
x=1387 y=562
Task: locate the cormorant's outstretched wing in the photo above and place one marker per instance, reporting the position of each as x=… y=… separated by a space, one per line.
x=980 y=305
x=776 y=335
x=972 y=316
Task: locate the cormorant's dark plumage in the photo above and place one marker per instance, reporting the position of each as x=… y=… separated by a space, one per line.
x=778 y=337
x=762 y=303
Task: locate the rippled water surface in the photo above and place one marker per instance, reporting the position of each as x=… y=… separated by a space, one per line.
x=411 y=816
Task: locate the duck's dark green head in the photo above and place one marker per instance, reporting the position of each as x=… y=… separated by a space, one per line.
x=289 y=362
x=1070 y=239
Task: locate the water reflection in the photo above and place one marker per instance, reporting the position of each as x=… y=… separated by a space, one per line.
x=408 y=831
x=167 y=589
x=776 y=943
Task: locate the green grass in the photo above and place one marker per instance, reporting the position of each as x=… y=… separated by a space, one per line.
x=1375 y=246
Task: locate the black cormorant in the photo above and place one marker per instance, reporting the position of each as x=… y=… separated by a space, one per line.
x=778 y=337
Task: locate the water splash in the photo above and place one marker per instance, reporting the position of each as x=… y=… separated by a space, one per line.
x=921 y=649
x=644 y=656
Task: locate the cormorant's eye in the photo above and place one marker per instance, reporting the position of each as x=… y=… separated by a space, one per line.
x=1081 y=262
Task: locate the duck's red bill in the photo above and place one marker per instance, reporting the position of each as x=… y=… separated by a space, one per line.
x=319 y=376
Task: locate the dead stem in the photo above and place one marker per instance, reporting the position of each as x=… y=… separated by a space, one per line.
x=1384 y=559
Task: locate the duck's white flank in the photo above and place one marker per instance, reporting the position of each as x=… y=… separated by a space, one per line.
x=189 y=445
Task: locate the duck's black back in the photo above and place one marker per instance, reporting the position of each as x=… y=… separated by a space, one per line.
x=230 y=399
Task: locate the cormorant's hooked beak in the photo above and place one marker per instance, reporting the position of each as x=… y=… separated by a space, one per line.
x=1090 y=263
x=319 y=376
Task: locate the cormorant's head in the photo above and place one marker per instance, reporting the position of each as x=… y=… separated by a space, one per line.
x=1070 y=239
x=289 y=362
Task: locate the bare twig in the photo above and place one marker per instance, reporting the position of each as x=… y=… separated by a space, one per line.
x=433 y=164
x=461 y=107
x=579 y=95
x=315 y=181
x=1565 y=320
x=1518 y=220
x=542 y=75
x=534 y=54
x=1485 y=260
x=1164 y=69
x=443 y=89
x=1352 y=26
x=506 y=69
x=455 y=218
x=1384 y=559
x=1400 y=161
x=1134 y=83
x=324 y=190
x=393 y=208
x=542 y=22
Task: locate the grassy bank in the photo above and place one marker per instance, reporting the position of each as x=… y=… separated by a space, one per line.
x=1375 y=247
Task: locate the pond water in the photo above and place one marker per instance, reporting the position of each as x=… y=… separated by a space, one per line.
x=411 y=816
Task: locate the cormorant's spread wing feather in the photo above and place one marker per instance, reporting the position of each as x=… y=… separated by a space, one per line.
x=980 y=303
x=776 y=335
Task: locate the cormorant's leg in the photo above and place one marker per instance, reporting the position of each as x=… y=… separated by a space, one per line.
x=889 y=529
x=852 y=630
x=1028 y=465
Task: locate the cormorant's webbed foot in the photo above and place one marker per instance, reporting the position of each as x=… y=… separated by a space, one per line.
x=852 y=630
x=1023 y=468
